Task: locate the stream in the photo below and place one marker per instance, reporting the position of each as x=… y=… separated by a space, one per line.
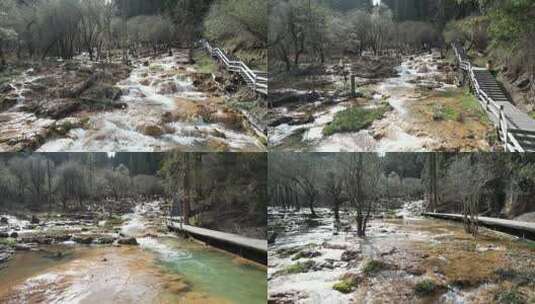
x=151 y=92
x=410 y=248
x=163 y=268
x=392 y=133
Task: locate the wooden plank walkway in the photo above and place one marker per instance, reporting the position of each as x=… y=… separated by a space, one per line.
x=256 y=80
x=255 y=244
x=516 y=128
x=521 y=229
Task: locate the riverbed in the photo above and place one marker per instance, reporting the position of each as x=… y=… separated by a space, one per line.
x=162 y=268
x=396 y=131
x=406 y=251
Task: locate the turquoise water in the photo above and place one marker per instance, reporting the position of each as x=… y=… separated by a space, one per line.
x=211 y=271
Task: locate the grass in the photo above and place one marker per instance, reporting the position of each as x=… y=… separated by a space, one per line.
x=466 y=105
x=425 y=287
x=373 y=266
x=204 y=63
x=354 y=119
x=532 y=114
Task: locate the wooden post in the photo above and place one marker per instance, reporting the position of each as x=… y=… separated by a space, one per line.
x=353 y=86
x=503 y=124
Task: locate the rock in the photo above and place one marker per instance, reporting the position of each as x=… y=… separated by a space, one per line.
x=522 y=83
x=22 y=247
x=4 y=257
x=83 y=239
x=6 y=88
x=349 y=255
x=279 y=121
x=168 y=88
x=306 y=254
x=58 y=108
x=128 y=241
x=423 y=69
x=34 y=220
x=151 y=130
x=14 y=235
x=272 y=237
x=103 y=92
x=305 y=119
x=3 y=220
x=104 y=240
x=7 y=103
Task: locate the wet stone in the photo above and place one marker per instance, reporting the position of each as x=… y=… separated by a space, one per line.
x=350 y=255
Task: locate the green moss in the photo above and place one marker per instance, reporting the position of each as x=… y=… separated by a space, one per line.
x=299 y=267
x=373 y=266
x=510 y=296
x=8 y=241
x=345 y=286
x=355 y=119
x=532 y=114
x=425 y=287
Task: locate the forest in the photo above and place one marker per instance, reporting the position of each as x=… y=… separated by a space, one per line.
x=411 y=227
x=493 y=185
x=79 y=76
x=66 y=28
x=217 y=191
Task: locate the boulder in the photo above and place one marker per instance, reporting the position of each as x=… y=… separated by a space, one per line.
x=22 y=247
x=14 y=235
x=128 y=241
x=151 y=130
x=83 y=239
x=58 y=108
x=3 y=220
x=7 y=103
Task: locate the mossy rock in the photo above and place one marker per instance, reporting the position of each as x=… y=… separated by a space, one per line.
x=425 y=287
x=348 y=282
x=297 y=268
x=306 y=254
x=373 y=266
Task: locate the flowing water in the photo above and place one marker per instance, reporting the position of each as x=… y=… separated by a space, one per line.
x=398 y=91
x=414 y=248
x=162 y=269
x=151 y=91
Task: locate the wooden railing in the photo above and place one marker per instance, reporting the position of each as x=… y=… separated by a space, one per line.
x=256 y=80
x=507 y=134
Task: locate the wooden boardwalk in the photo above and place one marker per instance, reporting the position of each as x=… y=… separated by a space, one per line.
x=256 y=244
x=256 y=80
x=516 y=129
x=522 y=229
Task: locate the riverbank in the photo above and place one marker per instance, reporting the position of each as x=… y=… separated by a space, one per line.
x=407 y=260
x=427 y=112
x=138 y=261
